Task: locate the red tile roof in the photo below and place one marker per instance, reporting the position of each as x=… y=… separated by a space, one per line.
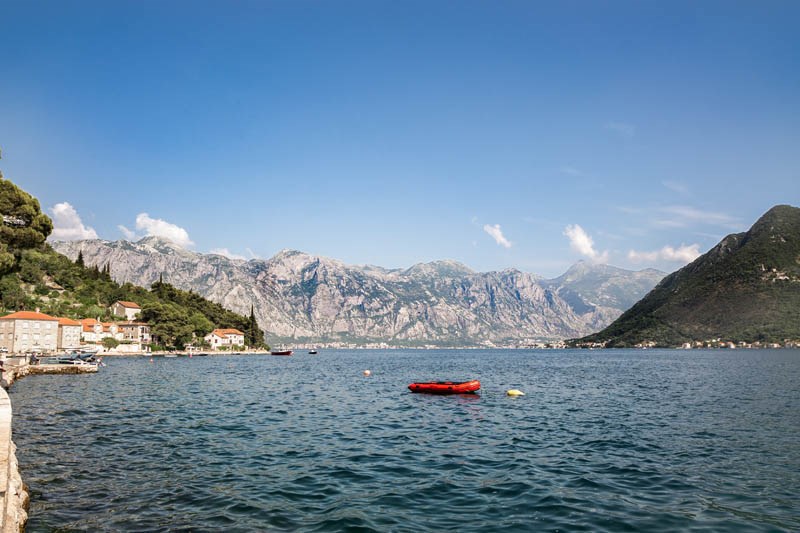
x=225 y=332
x=129 y=304
x=67 y=322
x=28 y=315
x=88 y=324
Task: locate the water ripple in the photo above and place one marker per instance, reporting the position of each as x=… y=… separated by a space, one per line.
x=603 y=441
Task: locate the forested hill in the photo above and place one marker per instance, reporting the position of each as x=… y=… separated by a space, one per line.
x=33 y=275
x=745 y=289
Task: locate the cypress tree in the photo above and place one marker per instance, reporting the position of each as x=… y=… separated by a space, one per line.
x=79 y=260
x=253 y=330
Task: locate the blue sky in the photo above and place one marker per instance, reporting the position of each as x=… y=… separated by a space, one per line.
x=499 y=134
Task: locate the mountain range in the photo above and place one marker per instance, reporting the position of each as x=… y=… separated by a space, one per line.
x=302 y=298
x=745 y=289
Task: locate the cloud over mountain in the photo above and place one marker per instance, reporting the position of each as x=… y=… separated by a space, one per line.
x=156 y=227
x=67 y=224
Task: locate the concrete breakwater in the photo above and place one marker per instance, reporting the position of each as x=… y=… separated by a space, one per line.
x=13 y=492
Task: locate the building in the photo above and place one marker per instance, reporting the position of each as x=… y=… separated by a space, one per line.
x=69 y=334
x=29 y=331
x=129 y=310
x=135 y=332
x=95 y=331
x=225 y=338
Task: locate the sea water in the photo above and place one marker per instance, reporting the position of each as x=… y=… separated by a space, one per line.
x=604 y=440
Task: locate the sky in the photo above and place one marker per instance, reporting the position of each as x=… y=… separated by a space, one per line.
x=509 y=134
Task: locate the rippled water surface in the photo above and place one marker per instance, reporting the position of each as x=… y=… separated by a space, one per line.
x=603 y=441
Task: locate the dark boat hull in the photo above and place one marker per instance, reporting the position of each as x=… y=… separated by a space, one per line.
x=446 y=387
x=280 y=352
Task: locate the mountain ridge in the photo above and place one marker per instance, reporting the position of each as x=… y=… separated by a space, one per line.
x=300 y=297
x=745 y=289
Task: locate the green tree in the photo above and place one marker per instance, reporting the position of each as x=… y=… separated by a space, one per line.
x=6 y=259
x=254 y=336
x=11 y=293
x=110 y=342
x=79 y=260
x=23 y=225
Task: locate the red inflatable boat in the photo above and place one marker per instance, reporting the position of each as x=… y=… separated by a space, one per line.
x=446 y=387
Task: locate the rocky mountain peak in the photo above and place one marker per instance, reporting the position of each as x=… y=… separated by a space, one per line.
x=302 y=297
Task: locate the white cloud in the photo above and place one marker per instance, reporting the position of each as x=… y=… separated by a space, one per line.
x=129 y=234
x=676 y=186
x=161 y=228
x=227 y=253
x=682 y=254
x=497 y=235
x=683 y=215
x=572 y=171
x=581 y=242
x=67 y=225
x=622 y=128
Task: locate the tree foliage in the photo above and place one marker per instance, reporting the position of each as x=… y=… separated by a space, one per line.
x=33 y=275
x=23 y=225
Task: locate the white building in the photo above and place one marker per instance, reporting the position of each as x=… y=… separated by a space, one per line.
x=69 y=334
x=220 y=338
x=28 y=331
x=127 y=309
x=95 y=331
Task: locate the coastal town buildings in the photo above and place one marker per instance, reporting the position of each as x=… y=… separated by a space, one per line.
x=128 y=310
x=224 y=338
x=95 y=331
x=69 y=334
x=28 y=331
x=35 y=332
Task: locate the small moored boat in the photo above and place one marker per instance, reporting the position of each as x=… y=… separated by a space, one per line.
x=312 y=352
x=280 y=352
x=446 y=387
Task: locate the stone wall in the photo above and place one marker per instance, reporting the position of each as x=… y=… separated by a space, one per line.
x=14 y=493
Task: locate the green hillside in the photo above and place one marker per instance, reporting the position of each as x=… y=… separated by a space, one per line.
x=32 y=276
x=745 y=289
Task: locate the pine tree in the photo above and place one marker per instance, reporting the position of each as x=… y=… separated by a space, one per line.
x=79 y=260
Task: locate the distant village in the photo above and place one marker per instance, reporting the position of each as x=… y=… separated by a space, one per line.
x=705 y=344
x=35 y=332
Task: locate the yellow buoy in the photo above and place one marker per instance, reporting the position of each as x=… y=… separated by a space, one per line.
x=515 y=392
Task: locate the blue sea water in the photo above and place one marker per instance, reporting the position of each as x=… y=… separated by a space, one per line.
x=653 y=440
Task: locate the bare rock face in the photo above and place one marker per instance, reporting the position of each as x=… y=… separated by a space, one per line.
x=298 y=297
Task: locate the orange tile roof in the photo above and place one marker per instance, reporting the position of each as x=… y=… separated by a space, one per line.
x=225 y=332
x=68 y=322
x=88 y=324
x=129 y=304
x=28 y=315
